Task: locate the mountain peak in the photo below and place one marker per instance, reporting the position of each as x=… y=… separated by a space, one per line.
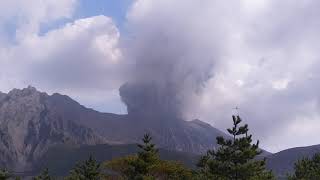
x=31 y=124
x=30 y=90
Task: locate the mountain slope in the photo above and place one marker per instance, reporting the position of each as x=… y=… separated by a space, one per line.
x=32 y=122
x=28 y=128
x=282 y=162
x=189 y=136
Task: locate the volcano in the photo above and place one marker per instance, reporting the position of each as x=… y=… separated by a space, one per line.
x=32 y=122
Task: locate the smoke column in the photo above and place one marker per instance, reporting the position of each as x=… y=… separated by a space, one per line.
x=170 y=65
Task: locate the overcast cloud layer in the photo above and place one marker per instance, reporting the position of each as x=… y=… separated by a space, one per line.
x=259 y=55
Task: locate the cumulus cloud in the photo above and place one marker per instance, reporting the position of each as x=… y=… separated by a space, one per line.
x=78 y=55
x=20 y=20
x=76 y=58
x=25 y=17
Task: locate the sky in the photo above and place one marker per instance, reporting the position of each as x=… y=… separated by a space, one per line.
x=259 y=55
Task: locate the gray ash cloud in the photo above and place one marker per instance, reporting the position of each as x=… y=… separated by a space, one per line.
x=169 y=68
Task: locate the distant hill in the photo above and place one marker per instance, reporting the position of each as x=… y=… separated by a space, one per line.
x=282 y=162
x=61 y=159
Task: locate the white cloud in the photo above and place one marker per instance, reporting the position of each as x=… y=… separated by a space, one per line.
x=79 y=57
x=29 y=15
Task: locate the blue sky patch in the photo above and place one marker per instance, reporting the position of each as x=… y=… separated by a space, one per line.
x=116 y=9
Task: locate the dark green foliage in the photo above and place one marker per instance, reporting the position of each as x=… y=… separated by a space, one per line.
x=235 y=158
x=172 y=170
x=307 y=169
x=4 y=174
x=147 y=157
x=61 y=159
x=88 y=170
x=43 y=176
x=147 y=165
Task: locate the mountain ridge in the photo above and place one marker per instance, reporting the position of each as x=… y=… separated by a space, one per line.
x=31 y=122
x=282 y=162
x=28 y=128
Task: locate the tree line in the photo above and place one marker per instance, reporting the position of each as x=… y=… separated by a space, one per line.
x=234 y=159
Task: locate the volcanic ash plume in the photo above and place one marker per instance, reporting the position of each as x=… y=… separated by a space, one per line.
x=170 y=69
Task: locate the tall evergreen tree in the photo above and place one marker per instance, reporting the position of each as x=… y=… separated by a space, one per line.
x=148 y=165
x=146 y=159
x=235 y=157
x=88 y=170
x=307 y=169
x=43 y=176
x=147 y=156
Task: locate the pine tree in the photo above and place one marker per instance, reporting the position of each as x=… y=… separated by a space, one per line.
x=307 y=169
x=146 y=159
x=88 y=170
x=235 y=157
x=43 y=176
x=4 y=174
x=147 y=156
x=147 y=165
